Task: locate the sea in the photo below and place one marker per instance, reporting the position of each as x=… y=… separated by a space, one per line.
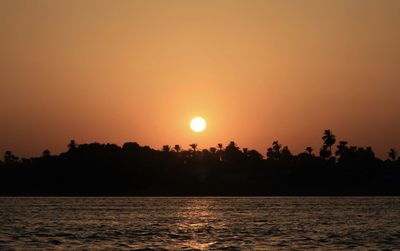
x=199 y=223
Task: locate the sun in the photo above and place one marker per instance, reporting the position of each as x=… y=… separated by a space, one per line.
x=198 y=124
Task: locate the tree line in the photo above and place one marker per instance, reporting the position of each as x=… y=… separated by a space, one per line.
x=132 y=170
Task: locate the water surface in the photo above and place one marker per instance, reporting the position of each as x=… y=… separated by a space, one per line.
x=256 y=223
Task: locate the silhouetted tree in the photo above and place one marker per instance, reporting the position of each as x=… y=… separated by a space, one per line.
x=220 y=151
x=131 y=147
x=232 y=152
x=166 y=148
x=392 y=154
x=107 y=169
x=309 y=150
x=329 y=140
x=194 y=149
x=253 y=155
x=10 y=158
x=177 y=148
x=274 y=152
x=324 y=152
x=72 y=145
x=286 y=154
x=213 y=150
x=307 y=154
x=46 y=153
x=342 y=149
x=370 y=151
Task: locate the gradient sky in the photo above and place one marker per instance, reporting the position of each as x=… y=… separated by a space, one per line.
x=118 y=71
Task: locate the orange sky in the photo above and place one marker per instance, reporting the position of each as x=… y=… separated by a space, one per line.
x=117 y=71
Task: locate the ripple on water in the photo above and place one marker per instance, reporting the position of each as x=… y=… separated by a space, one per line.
x=200 y=223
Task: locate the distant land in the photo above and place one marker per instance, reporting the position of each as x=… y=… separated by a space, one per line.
x=133 y=170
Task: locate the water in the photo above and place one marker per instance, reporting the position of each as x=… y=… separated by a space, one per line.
x=256 y=223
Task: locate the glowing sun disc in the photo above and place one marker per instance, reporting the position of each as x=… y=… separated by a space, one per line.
x=198 y=124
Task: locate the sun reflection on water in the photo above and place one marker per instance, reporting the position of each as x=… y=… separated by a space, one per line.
x=262 y=223
x=196 y=220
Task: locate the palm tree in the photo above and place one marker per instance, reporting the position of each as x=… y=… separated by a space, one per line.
x=392 y=154
x=194 y=147
x=274 y=152
x=329 y=140
x=177 y=148
x=220 y=151
x=193 y=150
x=276 y=146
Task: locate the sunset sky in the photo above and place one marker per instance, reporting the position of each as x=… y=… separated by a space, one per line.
x=118 y=71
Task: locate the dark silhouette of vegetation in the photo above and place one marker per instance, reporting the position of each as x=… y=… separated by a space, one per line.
x=392 y=154
x=133 y=170
x=329 y=140
x=177 y=148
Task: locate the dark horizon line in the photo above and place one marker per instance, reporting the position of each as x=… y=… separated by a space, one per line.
x=132 y=170
x=327 y=133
